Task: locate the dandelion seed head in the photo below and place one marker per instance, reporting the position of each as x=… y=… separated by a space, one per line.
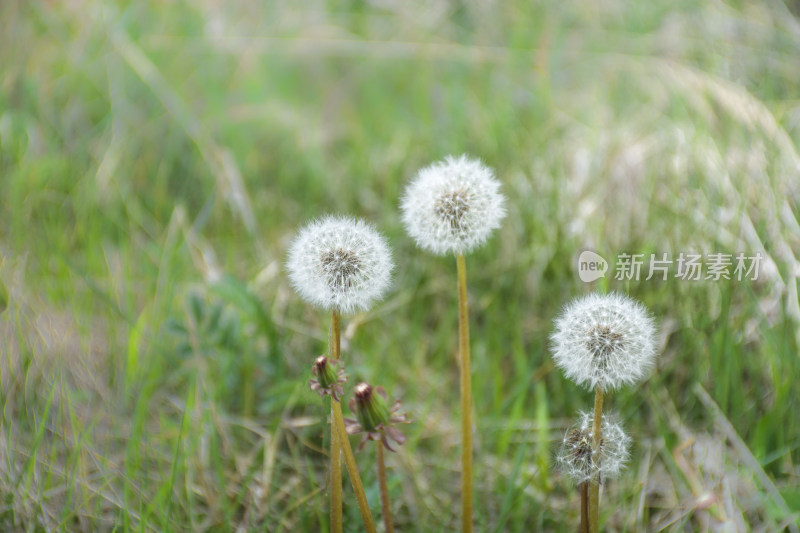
x=339 y=263
x=452 y=206
x=604 y=340
x=576 y=459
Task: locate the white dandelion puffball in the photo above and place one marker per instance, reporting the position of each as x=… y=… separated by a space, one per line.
x=575 y=457
x=453 y=205
x=604 y=340
x=339 y=263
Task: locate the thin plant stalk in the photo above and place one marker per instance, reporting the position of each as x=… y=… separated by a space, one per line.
x=334 y=344
x=336 y=477
x=584 y=488
x=386 y=507
x=594 y=485
x=342 y=442
x=352 y=470
x=466 y=398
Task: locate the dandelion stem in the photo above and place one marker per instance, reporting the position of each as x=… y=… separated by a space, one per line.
x=342 y=443
x=336 y=447
x=466 y=398
x=594 y=484
x=386 y=508
x=352 y=469
x=584 y=487
x=334 y=338
x=336 y=476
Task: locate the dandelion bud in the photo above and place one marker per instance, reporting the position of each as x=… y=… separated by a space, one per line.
x=604 y=340
x=326 y=374
x=339 y=263
x=375 y=419
x=453 y=205
x=371 y=409
x=329 y=377
x=576 y=459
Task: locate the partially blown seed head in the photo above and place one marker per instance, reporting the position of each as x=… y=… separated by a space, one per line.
x=339 y=263
x=575 y=457
x=604 y=340
x=453 y=205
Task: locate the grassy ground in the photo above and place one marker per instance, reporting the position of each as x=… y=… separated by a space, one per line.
x=156 y=158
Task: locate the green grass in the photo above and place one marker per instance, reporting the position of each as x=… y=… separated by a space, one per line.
x=156 y=158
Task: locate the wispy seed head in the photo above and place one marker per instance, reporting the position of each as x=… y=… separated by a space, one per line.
x=339 y=263
x=576 y=459
x=604 y=340
x=452 y=206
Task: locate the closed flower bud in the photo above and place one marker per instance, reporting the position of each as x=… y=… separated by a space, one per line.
x=326 y=374
x=371 y=408
x=374 y=417
x=329 y=377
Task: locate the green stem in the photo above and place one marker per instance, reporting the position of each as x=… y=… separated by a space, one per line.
x=386 y=508
x=594 y=486
x=466 y=398
x=336 y=446
x=341 y=442
x=352 y=469
x=584 y=488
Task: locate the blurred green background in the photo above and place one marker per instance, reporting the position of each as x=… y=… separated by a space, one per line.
x=156 y=158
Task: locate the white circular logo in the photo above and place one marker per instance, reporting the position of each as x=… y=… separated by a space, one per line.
x=591 y=266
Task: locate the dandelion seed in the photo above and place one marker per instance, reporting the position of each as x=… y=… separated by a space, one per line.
x=339 y=263
x=575 y=458
x=604 y=341
x=453 y=205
